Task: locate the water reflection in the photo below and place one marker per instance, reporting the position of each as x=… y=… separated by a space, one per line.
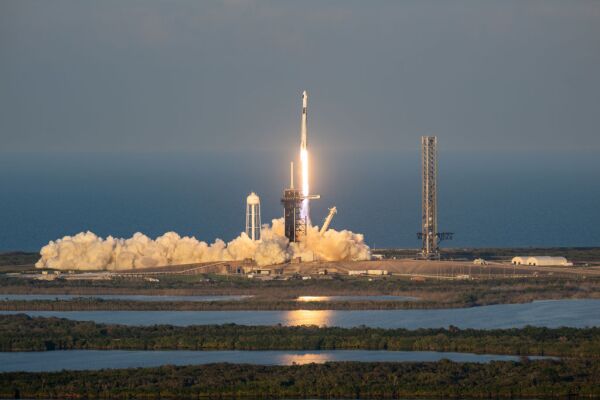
x=356 y=298
x=307 y=358
x=308 y=317
x=100 y=359
x=314 y=298
x=551 y=314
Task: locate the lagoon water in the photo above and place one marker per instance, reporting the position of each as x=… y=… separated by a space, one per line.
x=355 y=298
x=29 y=297
x=99 y=359
x=551 y=313
x=151 y=298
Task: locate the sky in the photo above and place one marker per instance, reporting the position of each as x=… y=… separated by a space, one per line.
x=120 y=116
x=160 y=76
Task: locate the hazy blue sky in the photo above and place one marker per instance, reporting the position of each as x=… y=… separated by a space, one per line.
x=148 y=76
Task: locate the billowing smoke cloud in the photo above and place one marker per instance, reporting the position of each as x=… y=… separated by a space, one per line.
x=86 y=251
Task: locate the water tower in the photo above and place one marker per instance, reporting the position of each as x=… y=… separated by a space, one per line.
x=253 y=216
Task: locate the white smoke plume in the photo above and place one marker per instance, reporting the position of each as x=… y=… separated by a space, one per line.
x=86 y=251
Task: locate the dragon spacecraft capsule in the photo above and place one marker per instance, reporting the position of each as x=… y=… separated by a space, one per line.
x=303 y=128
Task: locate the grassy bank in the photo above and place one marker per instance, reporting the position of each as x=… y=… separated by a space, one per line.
x=280 y=295
x=23 y=333
x=444 y=379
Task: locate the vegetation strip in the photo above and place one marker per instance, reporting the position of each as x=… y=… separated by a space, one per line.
x=280 y=295
x=24 y=333
x=96 y=304
x=444 y=379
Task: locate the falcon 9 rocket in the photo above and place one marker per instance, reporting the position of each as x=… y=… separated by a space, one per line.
x=305 y=212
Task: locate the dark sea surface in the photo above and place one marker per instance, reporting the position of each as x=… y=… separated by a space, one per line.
x=552 y=314
x=492 y=199
x=99 y=359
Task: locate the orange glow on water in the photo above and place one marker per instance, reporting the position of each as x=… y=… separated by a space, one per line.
x=313 y=298
x=289 y=359
x=308 y=317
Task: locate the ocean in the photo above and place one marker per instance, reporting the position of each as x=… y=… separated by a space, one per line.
x=490 y=199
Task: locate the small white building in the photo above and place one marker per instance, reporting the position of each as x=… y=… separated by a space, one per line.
x=548 y=261
x=377 y=272
x=357 y=272
x=542 y=261
x=519 y=260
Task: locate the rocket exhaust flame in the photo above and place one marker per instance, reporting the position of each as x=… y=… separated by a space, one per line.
x=305 y=191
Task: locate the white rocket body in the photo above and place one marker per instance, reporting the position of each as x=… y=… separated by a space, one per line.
x=305 y=213
x=303 y=127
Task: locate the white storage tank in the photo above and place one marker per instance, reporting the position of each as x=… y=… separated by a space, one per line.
x=253 y=216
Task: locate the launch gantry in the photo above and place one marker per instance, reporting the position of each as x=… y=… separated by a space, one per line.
x=295 y=224
x=327 y=222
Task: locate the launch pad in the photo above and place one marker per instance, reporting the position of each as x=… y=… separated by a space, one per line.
x=295 y=224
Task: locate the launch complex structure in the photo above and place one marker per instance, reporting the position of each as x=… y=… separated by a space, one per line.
x=429 y=235
x=296 y=209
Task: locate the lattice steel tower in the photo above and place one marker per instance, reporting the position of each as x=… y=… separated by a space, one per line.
x=429 y=196
x=429 y=233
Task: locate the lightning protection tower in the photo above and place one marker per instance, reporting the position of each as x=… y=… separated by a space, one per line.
x=429 y=234
x=253 y=216
x=429 y=196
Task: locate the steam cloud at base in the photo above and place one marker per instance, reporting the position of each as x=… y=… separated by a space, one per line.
x=86 y=251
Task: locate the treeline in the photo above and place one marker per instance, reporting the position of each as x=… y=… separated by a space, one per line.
x=444 y=379
x=97 y=304
x=24 y=333
x=338 y=285
x=577 y=254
